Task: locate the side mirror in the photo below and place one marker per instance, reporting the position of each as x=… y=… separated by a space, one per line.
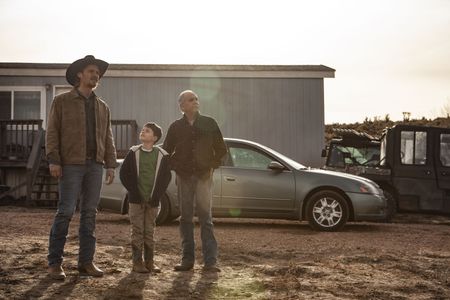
x=276 y=166
x=324 y=153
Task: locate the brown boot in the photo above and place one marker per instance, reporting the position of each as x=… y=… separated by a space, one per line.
x=138 y=264
x=56 y=272
x=150 y=265
x=149 y=260
x=89 y=269
x=139 y=267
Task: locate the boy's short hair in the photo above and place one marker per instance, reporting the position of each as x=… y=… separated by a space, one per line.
x=157 y=131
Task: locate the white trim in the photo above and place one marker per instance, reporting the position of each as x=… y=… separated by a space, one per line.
x=68 y=86
x=32 y=72
x=43 y=101
x=177 y=73
x=12 y=103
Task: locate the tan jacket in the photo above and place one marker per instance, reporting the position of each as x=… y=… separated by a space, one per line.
x=65 y=141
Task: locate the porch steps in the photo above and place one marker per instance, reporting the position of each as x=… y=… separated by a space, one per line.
x=45 y=188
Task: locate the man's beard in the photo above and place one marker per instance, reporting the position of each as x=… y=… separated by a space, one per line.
x=92 y=83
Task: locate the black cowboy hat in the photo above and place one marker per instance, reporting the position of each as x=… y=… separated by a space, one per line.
x=79 y=65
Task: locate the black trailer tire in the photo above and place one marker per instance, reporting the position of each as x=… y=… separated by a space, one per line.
x=391 y=206
x=327 y=211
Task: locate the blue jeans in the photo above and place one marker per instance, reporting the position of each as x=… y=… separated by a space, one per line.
x=192 y=189
x=76 y=180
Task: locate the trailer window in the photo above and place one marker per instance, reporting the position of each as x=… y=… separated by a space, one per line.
x=445 y=150
x=413 y=147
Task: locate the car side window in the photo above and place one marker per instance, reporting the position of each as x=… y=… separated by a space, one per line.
x=445 y=150
x=413 y=147
x=248 y=158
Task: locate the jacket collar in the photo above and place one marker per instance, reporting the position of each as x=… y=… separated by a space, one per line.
x=137 y=147
x=75 y=93
x=197 y=116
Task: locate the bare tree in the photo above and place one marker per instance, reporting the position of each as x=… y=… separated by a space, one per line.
x=406 y=116
x=446 y=109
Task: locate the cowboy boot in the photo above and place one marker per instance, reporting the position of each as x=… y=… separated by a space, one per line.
x=138 y=264
x=149 y=261
x=89 y=269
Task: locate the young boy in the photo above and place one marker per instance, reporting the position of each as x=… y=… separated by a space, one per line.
x=145 y=174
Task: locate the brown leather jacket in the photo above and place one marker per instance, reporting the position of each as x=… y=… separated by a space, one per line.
x=65 y=141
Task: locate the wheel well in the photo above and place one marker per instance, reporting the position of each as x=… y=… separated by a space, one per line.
x=390 y=189
x=351 y=215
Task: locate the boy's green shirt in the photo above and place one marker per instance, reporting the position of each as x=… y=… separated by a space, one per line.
x=147 y=172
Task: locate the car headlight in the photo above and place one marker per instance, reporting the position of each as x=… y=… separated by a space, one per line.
x=369 y=189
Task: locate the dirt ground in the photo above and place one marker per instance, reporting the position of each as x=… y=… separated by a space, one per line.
x=260 y=259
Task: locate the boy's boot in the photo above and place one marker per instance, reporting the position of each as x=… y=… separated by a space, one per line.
x=149 y=261
x=138 y=264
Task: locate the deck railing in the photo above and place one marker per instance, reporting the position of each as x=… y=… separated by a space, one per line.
x=125 y=134
x=17 y=138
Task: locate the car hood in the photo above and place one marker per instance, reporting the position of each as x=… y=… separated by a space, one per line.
x=339 y=175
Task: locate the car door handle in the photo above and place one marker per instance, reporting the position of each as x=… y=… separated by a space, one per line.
x=230 y=178
x=444 y=173
x=428 y=172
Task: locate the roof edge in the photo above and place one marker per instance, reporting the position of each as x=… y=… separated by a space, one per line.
x=175 y=70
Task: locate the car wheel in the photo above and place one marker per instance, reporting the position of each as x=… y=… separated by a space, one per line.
x=163 y=211
x=125 y=206
x=327 y=211
x=391 y=206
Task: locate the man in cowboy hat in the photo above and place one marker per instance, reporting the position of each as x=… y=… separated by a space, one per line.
x=79 y=143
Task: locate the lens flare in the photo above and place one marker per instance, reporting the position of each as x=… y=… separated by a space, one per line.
x=234 y=212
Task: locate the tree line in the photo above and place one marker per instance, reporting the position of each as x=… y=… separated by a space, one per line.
x=375 y=127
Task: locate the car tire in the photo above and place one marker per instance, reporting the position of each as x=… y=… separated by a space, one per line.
x=164 y=211
x=327 y=211
x=391 y=206
x=126 y=206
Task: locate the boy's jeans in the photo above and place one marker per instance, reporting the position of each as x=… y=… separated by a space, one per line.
x=142 y=219
x=84 y=180
x=192 y=189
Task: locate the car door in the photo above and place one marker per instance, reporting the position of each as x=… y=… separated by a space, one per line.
x=414 y=173
x=113 y=195
x=248 y=185
x=442 y=163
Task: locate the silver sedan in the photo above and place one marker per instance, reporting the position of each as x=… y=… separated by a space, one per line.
x=255 y=181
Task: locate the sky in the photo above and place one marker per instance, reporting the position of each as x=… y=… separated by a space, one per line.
x=390 y=56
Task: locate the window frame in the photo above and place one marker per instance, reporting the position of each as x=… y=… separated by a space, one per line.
x=446 y=165
x=414 y=147
x=43 y=99
x=60 y=86
x=229 y=160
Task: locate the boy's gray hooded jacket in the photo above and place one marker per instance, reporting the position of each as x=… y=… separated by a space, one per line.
x=129 y=173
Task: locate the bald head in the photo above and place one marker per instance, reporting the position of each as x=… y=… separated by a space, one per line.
x=188 y=101
x=186 y=95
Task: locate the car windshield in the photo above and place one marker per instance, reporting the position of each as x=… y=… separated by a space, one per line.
x=341 y=156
